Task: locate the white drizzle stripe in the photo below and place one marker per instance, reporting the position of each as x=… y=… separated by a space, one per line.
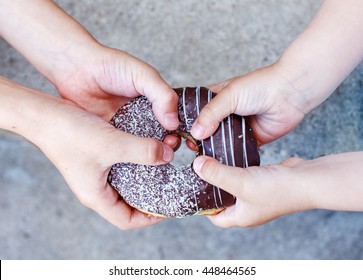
x=225 y=155
x=215 y=196
x=197 y=91
x=244 y=142
x=198 y=111
x=185 y=109
x=186 y=123
x=196 y=201
x=213 y=152
x=231 y=140
x=211 y=138
x=224 y=142
x=219 y=196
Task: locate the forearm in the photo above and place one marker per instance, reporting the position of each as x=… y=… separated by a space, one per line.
x=330 y=182
x=333 y=182
x=27 y=112
x=48 y=37
x=267 y=192
x=325 y=53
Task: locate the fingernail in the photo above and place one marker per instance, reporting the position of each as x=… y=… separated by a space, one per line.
x=171 y=120
x=198 y=163
x=168 y=153
x=198 y=131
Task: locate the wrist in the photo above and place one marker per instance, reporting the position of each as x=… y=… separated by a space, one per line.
x=299 y=82
x=47 y=36
x=278 y=189
x=73 y=62
x=333 y=181
x=308 y=74
x=325 y=53
x=25 y=111
x=294 y=186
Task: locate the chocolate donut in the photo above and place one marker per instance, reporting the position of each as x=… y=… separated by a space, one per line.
x=170 y=191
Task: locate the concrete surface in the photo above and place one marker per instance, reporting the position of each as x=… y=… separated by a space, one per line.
x=190 y=43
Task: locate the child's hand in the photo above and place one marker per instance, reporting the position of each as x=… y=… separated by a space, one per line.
x=268 y=192
x=276 y=98
x=307 y=73
x=263 y=193
x=273 y=103
x=276 y=107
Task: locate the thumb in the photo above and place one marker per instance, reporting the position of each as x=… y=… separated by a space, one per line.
x=218 y=87
x=222 y=105
x=134 y=77
x=234 y=180
x=225 y=177
x=241 y=95
x=124 y=147
x=163 y=98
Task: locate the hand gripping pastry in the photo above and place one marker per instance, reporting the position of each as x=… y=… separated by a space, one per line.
x=169 y=191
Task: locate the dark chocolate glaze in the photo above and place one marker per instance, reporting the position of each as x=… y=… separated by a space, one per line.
x=170 y=191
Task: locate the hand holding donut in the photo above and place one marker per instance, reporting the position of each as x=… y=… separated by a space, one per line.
x=268 y=192
x=264 y=95
x=272 y=114
x=92 y=77
x=82 y=146
x=278 y=97
x=97 y=78
x=110 y=78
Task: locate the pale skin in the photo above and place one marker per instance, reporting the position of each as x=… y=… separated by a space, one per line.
x=278 y=97
x=94 y=81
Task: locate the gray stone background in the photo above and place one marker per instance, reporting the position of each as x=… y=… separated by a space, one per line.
x=190 y=43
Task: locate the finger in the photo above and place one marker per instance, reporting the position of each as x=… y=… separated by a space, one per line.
x=163 y=97
x=220 y=86
x=124 y=147
x=174 y=141
x=220 y=175
x=192 y=146
x=222 y=105
x=108 y=205
x=216 y=88
x=239 y=95
x=125 y=75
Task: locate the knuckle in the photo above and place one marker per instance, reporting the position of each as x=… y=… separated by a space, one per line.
x=291 y=162
x=208 y=112
x=92 y=199
x=234 y=99
x=86 y=200
x=209 y=118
